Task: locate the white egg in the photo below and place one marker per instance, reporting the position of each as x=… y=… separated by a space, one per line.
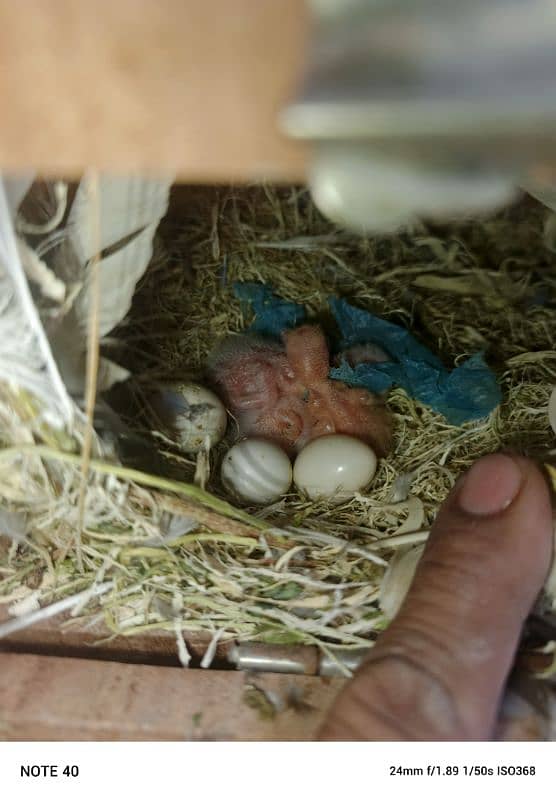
x=192 y=414
x=334 y=466
x=552 y=410
x=257 y=471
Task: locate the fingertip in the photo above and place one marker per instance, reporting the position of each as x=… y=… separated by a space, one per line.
x=512 y=502
x=457 y=632
x=490 y=485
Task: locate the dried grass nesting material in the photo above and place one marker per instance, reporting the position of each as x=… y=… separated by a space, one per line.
x=171 y=556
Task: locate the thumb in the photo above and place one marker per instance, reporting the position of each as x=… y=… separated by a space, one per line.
x=438 y=671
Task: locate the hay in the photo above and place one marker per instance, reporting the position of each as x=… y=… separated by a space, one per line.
x=184 y=560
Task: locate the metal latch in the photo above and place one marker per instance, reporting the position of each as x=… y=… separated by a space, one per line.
x=427 y=108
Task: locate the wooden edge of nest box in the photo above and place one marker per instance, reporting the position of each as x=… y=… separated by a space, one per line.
x=43 y=698
x=134 y=86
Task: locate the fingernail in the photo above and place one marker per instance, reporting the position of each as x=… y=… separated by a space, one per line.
x=490 y=486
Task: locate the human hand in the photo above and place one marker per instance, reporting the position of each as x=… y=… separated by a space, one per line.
x=438 y=672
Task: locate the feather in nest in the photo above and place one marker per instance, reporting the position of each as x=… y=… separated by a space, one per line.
x=26 y=359
x=129 y=211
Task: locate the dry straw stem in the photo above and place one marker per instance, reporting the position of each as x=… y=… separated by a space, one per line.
x=93 y=352
x=299 y=570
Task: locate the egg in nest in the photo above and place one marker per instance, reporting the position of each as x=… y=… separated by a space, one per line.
x=190 y=414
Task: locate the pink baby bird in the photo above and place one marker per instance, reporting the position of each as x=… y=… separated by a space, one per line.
x=284 y=393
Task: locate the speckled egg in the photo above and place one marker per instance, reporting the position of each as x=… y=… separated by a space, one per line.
x=192 y=415
x=334 y=466
x=256 y=471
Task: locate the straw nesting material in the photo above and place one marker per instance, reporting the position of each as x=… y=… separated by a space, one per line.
x=299 y=571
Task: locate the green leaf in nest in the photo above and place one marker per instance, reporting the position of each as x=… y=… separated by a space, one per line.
x=280 y=636
x=286 y=591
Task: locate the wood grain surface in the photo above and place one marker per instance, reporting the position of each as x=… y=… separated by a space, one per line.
x=180 y=85
x=45 y=698
x=81 y=639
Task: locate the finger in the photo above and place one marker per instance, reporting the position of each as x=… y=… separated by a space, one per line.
x=438 y=671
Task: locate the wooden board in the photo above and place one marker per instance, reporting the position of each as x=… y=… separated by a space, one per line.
x=83 y=640
x=64 y=699
x=191 y=87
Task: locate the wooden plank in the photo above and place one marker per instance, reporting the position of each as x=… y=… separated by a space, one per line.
x=193 y=87
x=63 y=699
x=82 y=640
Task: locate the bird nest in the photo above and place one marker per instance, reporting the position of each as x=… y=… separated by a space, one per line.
x=159 y=544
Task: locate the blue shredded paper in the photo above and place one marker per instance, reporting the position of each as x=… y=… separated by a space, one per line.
x=272 y=314
x=468 y=392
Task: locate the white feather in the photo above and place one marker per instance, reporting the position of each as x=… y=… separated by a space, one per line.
x=127 y=207
x=39 y=273
x=25 y=356
x=110 y=373
x=60 y=192
x=13 y=524
x=130 y=210
x=119 y=274
x=17 y=187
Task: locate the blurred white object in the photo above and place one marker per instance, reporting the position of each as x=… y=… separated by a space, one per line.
x=44 y=338
x=429 y=108
x=38 y=272
x=361 y=190
x=109 y=374
x=26 y=359
x=16 y=187
x=122 y=213
x=129 y=211
x=13 y=524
